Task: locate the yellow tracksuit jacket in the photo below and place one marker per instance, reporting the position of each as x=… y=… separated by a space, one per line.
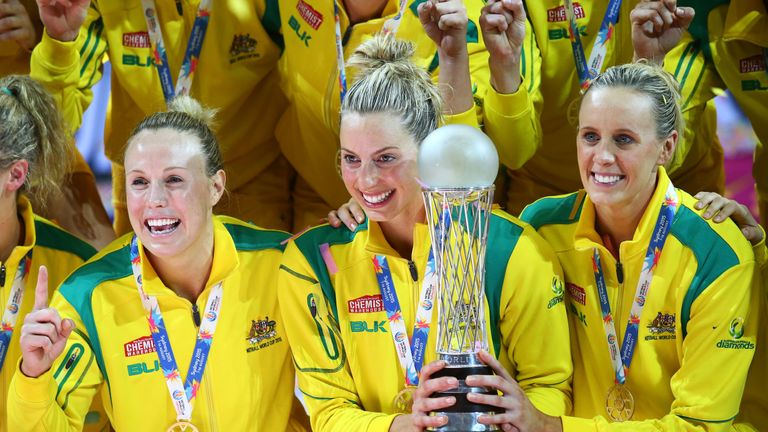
x=736 y=35
x=347 y=366
x=61 y=253
x=555 y=95
x=248 y=381
x=308 y=132
x=697 y=331
x=237 y=74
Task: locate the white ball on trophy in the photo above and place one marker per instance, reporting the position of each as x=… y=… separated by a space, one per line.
x=457 y=156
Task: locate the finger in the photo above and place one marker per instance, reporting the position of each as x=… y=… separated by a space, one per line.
x=505 y=403
x=753 y=233
x=44 y=316
x=9 y=23
x=357 y=211
x=515 y=8
x=495 y=23
x=67 y=327
x=684 y=16
x=647 y=17
x=729 y=208
x=497 y=367
x=430 y=368
x=41 y=290
x=333 y=219
x=425 y=13
x=426 y=421
x=491 y=381
x=427 y=404
x=452 y=22
x=32 y=342
x=714 y=207
x=43 y=329
x=704 y=198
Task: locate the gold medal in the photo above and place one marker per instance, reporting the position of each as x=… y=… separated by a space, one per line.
x=183 y=426
x=403 y=402
x=619 y=404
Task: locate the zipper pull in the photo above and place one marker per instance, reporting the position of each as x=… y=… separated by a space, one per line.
x=619 y=272
x=2 y=274
x=179 y=9
x=196 y=315
x=414 y=272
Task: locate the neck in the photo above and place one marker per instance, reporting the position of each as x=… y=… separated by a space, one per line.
x=399 y=231
x=11 y=234
x=361 y=11
x=620 y=222
x=176 y=275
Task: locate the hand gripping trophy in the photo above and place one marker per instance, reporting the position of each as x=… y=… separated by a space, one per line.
x=457 y=166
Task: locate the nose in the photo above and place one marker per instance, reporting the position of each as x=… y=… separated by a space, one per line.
x=157 y=197
x=604 y=153
x=369 y=175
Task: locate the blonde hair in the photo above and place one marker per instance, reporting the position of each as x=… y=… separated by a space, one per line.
x=388 y=82
x=187 y=115
x=651 y=80
x=32 y=129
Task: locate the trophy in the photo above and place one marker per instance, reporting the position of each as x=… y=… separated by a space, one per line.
x=457 y=166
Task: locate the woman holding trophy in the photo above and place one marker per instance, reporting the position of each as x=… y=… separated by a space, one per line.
x=362 y=300
x=662 y=299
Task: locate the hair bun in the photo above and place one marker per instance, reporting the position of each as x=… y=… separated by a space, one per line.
x=191 y=107
x=381 y=51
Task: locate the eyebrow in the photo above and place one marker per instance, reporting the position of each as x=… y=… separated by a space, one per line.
x=376 y=152
x=166 y=169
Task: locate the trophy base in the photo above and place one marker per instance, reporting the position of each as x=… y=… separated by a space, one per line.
x=462 y=417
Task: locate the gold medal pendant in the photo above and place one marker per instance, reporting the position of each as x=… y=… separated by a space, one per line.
x=403 y=402
x=619 y=403
x=183 y=426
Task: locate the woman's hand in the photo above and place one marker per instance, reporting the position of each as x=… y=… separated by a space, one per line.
x=16 y=25
x=722 y=208
x=503 y=25
x=445 y=22
x=63 y=18
x=519 y=414
x=349 y=214
x=44 y=334
x=423 y=403
x=657 y=26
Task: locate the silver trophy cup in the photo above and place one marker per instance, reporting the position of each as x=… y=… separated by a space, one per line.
x=457 y=165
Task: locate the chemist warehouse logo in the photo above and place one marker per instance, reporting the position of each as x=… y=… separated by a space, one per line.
x=736 y=330
x=557 y=14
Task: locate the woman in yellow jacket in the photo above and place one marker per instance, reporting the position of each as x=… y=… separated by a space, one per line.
x=661 y=301
x=176 y=324
x=33 y=160
x=343 y=347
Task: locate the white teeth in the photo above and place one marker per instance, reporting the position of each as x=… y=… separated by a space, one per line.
x=375 y=199
x=161 y=222
x=606 y=178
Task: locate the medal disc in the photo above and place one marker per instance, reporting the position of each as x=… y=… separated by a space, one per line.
x=619 y=403
x=183 y=426
x=572 y=112
x=403 y=402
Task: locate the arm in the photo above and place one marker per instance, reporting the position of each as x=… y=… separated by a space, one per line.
x=46 y=380
x=512 y=105
x=705 y=400
x=532 y=311
x=324 y=375
x=57 y=62
x=657 y=26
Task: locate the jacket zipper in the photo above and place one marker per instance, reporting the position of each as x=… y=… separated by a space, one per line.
x=619 y=304
x=2 y=275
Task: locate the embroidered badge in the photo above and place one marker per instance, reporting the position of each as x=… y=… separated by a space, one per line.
x=262 y=334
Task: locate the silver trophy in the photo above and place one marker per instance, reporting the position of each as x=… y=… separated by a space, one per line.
x=457 y=166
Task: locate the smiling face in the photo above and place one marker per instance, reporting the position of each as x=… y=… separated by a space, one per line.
x=618 y=150
x=169 y=195
x=379 y=165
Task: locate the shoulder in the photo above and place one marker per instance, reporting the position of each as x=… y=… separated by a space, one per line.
x=323 y=234
x=554 y=210
x=48 y=235
x=110 y=264
x=715 y=244
x=249 y=237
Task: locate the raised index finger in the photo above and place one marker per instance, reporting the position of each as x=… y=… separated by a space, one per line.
x=41 y=290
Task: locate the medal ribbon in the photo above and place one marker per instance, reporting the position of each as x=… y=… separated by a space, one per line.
x=182 y=394
x=13 y=306
x=622 y=362
x=191 y=56
x=389 y=28
x=589 y=69
x=410 y=353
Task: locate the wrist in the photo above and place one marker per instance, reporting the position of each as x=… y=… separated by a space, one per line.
x=27 y=373
x=69 y=36
x=505 y=78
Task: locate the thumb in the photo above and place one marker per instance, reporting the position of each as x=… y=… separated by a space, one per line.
x=685 y=16
x=41 y=290
x=67 y=326
x=753 y=234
